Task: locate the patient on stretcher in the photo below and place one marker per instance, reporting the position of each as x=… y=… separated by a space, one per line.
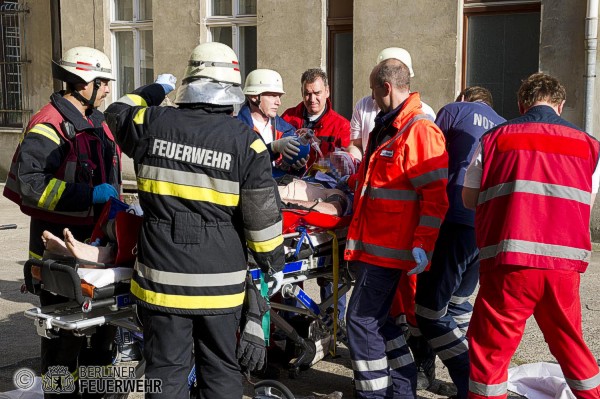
x=91 y=260
x=77 y=249
x=300 y=194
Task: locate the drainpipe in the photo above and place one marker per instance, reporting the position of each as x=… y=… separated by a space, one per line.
x=55 y=31
x=591 y=41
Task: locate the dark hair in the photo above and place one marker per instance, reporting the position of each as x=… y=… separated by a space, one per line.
x=393 y=71
x=310 y=75
x=476 y=93
x=541 y=87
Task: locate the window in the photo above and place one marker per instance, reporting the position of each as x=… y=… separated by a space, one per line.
x=12 y=107
x=233 y=22
x=133 y=56
x=339 y=55
x=502 y=48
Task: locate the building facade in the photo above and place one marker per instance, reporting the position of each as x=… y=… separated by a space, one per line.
x=453 y=43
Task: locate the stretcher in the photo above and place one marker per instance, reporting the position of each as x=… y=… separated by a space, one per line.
x=314 y=245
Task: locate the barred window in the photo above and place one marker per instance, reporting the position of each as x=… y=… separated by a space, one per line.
x=12 y=101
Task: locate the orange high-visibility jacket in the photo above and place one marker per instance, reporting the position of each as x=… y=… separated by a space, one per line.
x=400 y=199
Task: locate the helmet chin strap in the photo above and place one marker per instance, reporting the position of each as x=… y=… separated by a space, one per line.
x=257 y=105
x=89 y=103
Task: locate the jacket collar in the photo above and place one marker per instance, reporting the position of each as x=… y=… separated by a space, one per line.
x=72 y=114
x=409 y=107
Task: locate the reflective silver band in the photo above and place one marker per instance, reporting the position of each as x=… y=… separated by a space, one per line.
x=429 y=177
x=188 y=179
x=457 y=300
x=445 y=339
x=584 y=385
x=464 y=318
x=401 y=361
x=535 y=248
x=401 y=254
x=458 y=349
x=488 y=390
x=190 y=280
x=535 y=187
x=396 y=343
x=213 y=64
x=430 y=313
x=370 y=365
x=430 y=221
x=373 y=385
x=390 y=194
x=264 y=234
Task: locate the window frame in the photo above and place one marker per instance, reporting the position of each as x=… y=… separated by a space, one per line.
x=235 y=21
x=135 y=26
x=489 y=7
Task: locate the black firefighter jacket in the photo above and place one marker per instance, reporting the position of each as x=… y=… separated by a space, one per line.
x=205 y=186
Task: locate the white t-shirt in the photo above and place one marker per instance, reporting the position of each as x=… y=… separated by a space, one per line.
x=265 y=130
x=363 y=119
x=475 y=170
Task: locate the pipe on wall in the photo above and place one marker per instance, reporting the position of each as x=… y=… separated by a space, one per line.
x=591 y=43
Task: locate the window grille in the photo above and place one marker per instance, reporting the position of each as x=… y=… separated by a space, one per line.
x=13 y=110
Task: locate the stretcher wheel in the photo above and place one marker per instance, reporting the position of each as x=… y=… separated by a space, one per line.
x=271 y=389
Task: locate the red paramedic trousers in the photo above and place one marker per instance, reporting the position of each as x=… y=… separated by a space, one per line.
x=507 y=297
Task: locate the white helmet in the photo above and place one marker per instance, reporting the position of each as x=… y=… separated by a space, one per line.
x=82 y=65
x=262 y=81
x=215 y=61
x=398 y=53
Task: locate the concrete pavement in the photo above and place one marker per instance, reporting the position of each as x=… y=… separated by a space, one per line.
x=19 y=343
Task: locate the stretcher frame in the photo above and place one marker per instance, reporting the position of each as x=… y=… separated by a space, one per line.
x=83 y=314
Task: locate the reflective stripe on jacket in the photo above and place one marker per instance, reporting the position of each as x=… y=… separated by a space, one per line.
x=534 y=203
x=400 y=199
x=53 y=171
x=205 y=186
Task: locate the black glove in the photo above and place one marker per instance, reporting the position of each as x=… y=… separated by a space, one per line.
x=252 y=352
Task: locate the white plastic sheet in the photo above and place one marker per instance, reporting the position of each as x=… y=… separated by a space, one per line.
x=539 y=381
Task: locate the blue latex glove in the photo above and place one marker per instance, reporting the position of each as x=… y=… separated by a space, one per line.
x=421 y=259
x=167 y=81
x=103 y=192
x=277 y=279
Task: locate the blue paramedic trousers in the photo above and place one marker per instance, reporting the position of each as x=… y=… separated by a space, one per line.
x=442 y=308
x=381 y=360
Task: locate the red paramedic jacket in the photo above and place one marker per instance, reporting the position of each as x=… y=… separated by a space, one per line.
x=534 y=202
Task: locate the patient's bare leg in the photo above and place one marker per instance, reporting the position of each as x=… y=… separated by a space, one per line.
x=54 y=244
x=84 y=251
